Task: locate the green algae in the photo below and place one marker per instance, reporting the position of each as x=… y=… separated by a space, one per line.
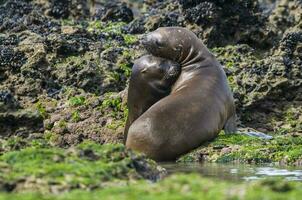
x=118 y=110
x=87 y=166
x=115 y=103
x=42 y=110
x=125 y=68
x=77 y=101
x=124 y=62
x=130 y=39
x=284 y=149
x=101 y=27
x=182 y=186
x=76 y=61
x=112 y=28
x=75 y=116
x=50 y=137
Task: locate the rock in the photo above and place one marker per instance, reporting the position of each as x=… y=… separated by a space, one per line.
x=70 y=69
x=105 y=163
x=114 y=11
x=20 y=122
x=59 y=8
x=7 y=101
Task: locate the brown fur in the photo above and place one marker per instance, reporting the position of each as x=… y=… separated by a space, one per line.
x=151 y=80
x=200 y=104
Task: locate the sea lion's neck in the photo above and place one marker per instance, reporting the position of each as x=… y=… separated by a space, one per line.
x=198 y=57
x=198 y=61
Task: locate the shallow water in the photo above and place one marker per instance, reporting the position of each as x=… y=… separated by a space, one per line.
x=236 y=172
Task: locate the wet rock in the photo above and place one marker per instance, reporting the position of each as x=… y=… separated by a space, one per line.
x=64 y=9
x=114 y=11
x=80 y=73
x=7 y=101
x=202 y=13
x=70 y=44
x=291 y=49
x=136 y=27
x=10 y=59
x=277 y=186
x=59 y=8
x=20 y=122
x=9 y=40
x=285 y=15
x=239 y=21
x=262 y=86
x=80 y=9
x=17 y=16
x=245 y=149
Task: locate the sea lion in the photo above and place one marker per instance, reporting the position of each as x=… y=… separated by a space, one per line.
x=199 y=106
x=151 y=80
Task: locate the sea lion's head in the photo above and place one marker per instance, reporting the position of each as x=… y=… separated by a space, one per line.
x=174 y=43
x=156 y=71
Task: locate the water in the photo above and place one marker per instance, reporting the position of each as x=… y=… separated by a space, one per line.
x=236 y=172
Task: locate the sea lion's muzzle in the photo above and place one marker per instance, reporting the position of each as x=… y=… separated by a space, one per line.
x=144 y=40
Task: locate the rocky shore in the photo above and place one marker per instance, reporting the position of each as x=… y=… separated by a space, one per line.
x=64 y=68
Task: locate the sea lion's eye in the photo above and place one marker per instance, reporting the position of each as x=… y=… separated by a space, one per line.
x=159 y=43
x=144 y=70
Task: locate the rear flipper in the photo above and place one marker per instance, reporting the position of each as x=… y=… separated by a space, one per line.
x=254 y=133
x=231 y=125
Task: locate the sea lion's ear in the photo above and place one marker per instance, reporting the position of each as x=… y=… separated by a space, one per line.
x=159 y=43
x=178 y=48
x=174 y=70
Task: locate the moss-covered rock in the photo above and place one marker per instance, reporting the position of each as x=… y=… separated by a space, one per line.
x=79 y=115
x=285 y=150
x=86 y=166
x=182 y=186
x=54 y=56
x=64 y=68
x=68 y=65
x=266 y=88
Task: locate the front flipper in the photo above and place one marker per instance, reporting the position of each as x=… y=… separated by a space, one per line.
x=127 y=126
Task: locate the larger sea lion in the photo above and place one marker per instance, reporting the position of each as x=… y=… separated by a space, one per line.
x=151 y=80
x=200 y=105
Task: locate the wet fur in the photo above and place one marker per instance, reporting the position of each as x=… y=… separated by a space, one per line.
x=200 y=104
x=151 y=80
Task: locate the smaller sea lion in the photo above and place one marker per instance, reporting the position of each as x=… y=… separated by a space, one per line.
x=151 y=80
